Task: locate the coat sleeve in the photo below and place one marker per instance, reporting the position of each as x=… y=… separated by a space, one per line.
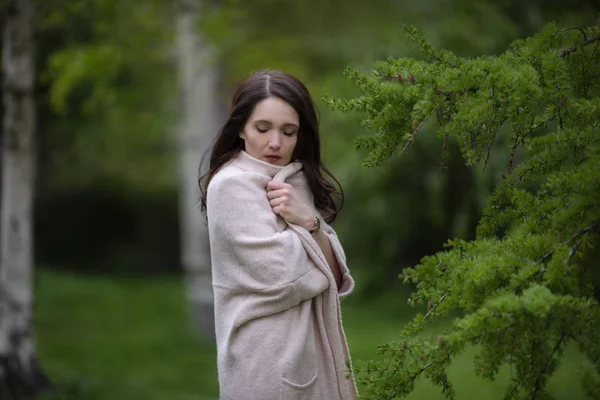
x=254 y=252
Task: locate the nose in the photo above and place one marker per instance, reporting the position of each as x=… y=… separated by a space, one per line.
x=275 y=141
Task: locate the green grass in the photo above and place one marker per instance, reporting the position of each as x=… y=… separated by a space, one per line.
x=129 y=339
x=121 y=339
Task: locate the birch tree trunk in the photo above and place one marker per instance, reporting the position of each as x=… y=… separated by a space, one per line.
x=20 y=375
x=198 y=125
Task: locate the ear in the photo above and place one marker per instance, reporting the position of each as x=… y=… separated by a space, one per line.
x=242 y=134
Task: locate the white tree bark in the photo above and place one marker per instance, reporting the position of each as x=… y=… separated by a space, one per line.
x=198 y=125
x=19 y=372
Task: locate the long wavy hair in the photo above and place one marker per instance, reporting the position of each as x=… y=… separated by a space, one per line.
x=257 y=87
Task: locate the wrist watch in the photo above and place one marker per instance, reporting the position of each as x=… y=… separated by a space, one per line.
x=316 y=227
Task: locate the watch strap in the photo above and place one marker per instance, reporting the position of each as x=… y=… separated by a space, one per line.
x=317 y=226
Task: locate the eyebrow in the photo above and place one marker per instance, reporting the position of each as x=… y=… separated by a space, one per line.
x=270 y=123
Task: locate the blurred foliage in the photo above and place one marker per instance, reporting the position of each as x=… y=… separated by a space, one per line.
x=106 y=92
x=523 y=288
x=106 y=187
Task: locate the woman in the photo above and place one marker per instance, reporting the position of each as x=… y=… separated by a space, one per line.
x=279 y=271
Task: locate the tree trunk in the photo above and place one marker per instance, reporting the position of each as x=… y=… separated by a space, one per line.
x=20 y=375
x=198 y=125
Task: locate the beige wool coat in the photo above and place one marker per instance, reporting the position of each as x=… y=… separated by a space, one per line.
x=277 y=307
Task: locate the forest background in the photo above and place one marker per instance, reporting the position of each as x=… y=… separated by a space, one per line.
x=110 y=314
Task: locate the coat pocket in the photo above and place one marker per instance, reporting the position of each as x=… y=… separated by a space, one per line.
x=294 y=390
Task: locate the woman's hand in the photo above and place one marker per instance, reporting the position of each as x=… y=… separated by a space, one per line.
x=286 y=203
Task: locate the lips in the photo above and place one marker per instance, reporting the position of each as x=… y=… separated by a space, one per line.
x=273 y=158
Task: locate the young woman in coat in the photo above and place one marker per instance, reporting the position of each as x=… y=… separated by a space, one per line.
x=278 y=268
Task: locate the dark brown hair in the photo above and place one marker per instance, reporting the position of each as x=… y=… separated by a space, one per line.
x=257 y=87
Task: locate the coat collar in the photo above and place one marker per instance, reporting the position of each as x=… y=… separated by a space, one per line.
x=276 y=172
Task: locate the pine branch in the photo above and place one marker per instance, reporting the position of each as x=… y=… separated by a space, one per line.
x=423 y=369
x=546 y=256
x=568 y=28
x=414 y=376
x=444 y=152
x=413 y=133
x=562 y=338
x=514 y=391
x=561 y=102
x=574 y=48
x=511 y=156
x=434 y=306
x=531 y=90
x=450 y=94
x=539 y=272
x=491 y=136
x=582 y=233
x=540 y=376
x=426 y=49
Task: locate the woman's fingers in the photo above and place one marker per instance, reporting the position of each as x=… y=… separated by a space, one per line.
x=272 y=185
x=278 y=201
x=273 y=194
x=284 y=201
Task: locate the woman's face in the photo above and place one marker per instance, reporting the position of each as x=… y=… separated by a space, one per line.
x=271 y=132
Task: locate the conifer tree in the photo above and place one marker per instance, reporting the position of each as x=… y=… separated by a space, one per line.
x=522 y=290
